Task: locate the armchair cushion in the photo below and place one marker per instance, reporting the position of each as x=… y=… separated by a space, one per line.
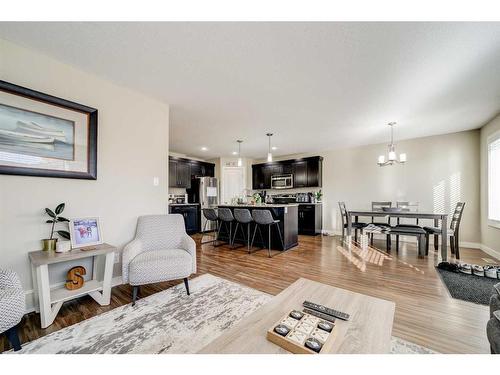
x=160 y=265
x=12 y=300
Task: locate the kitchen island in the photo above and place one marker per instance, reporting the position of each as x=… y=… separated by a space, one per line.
x=287 y=214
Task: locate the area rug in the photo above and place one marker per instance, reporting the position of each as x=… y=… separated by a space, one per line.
x=471 y=288
x=169 y=322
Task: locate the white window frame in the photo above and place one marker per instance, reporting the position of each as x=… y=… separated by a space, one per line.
x=492 y=138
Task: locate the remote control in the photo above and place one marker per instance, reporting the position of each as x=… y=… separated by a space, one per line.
x=326 y=310
x=320 y=315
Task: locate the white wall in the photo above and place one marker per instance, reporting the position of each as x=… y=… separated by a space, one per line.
x=132 y=149
x=440 y=171
x=490 y=236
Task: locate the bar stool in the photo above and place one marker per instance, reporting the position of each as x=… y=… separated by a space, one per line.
x=226 y=217
x=264 y=217
x=243 y=217
x=211 y=216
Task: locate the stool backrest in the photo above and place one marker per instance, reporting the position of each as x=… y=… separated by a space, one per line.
x=210 y=214
x=242 y=215
x=262 y=217
x=225 y=214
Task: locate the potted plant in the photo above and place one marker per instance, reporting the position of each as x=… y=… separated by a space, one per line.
x=50 y=243
x=319 y=195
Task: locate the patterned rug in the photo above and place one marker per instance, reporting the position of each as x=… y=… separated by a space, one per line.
x=169 y=322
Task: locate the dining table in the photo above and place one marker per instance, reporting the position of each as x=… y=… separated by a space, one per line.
x=436 y=216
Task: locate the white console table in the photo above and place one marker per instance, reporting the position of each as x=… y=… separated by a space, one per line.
x=51 y=300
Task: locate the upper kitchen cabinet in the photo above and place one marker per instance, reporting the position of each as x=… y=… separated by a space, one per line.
x=300 y=174
x=181 y=171
x=307 y=172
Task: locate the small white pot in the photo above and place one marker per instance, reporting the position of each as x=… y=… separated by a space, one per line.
x=63 y=246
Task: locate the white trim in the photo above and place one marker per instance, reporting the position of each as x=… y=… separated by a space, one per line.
x=494 y=223
x=491 y=252
x=494 y=137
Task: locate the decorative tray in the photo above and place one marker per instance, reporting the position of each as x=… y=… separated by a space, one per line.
x=302 y=333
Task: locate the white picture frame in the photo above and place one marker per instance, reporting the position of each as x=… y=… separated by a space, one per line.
x=85 y=232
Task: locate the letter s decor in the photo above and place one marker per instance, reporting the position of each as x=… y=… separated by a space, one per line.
x=75 y=280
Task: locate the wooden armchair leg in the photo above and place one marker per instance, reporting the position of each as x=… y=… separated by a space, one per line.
x=135 y=291
x=186 y=284
x=13 y=338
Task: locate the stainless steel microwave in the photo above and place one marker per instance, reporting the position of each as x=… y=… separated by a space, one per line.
x=282 y=181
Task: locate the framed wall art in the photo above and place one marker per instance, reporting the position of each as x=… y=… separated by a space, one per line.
x=42 y=135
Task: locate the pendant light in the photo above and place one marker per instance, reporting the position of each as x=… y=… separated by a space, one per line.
x=240 y=162
x=391 y=152
x=269 y=154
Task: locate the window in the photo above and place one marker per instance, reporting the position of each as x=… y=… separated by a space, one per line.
x=494 y=180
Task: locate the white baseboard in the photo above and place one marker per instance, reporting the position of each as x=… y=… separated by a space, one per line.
x=30 y=307
x=491 y=252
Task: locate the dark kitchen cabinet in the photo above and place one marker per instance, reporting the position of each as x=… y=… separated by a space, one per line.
x=172 y=173
x=300 y=174
x=181 y=171
x=310 y=219
x=315 y=173
x=257 y=177
x=307 y=172
x=191 y=216
x=184 y=175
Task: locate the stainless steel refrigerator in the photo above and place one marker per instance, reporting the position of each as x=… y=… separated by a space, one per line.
x=205 y=191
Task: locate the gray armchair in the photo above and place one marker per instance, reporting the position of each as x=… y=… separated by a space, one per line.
x=12 y=306
x=493 y=326
x=161 y=251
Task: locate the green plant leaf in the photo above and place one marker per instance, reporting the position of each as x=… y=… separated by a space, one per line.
x=61 y=219
x=60 y=208
x=50 y=221
x=50 y=212
x=64 y=234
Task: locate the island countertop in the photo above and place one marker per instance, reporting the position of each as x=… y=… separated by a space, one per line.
x=266 y=205
x=287 y=214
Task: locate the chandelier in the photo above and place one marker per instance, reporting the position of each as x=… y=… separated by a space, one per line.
x=391 y=157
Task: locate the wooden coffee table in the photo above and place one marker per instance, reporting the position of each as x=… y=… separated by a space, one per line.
x=368 y=330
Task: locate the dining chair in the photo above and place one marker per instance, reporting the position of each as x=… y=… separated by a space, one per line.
x=408 y=207
x=452 y=232
x=345 y=217
x=379 y=206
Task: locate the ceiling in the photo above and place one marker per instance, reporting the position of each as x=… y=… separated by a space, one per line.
x=316 y=86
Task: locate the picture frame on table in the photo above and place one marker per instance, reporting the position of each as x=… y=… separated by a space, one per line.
x=85 y=232
x=46 y=136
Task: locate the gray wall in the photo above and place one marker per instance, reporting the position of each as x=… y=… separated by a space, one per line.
x=132 y=149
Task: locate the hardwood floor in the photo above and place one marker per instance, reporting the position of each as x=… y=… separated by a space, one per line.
x=425 y=312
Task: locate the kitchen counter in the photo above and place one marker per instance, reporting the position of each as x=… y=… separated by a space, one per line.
x=183 y=204
x=287 y=214
x=262 y=205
